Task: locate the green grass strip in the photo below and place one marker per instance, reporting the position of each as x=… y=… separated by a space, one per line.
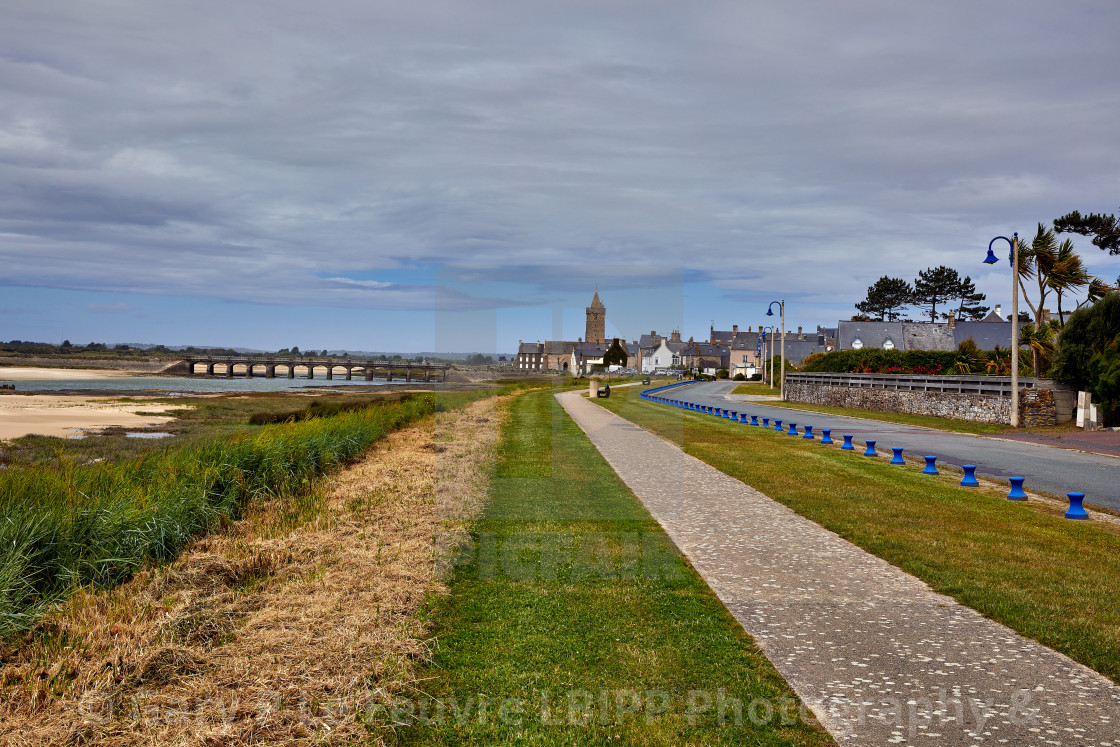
x=573 y=619
x=1051 y=579
x=61 y=527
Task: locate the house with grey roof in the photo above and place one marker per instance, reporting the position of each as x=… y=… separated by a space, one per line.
x=993 y=330
x=530 y=356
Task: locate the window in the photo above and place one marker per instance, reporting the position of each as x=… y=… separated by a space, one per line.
x=888 y=344
x=857 y=344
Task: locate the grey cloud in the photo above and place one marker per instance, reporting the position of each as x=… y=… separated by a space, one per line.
x=264 y=150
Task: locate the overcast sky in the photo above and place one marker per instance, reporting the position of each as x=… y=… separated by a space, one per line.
x=459 y=175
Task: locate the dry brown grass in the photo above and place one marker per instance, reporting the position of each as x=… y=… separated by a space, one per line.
x=292 y=626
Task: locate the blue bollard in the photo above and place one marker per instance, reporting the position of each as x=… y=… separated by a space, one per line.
x=743 y=418
x=847 y=445
x=792 y=429
x=754 y=420
x=766 y=422
x=826 y=436
x=897 y=458
x=871 y=449
x=931 y=468
x=734 y=414
x=1017 y=493
x=1076 y=510
x=808 y=432
x=777 y=424
x=969 y=480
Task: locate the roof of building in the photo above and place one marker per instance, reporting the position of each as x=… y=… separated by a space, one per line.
x=595 y=302
x=592 y=349
x=530 y=348
x=559 y=347
x=923 y=336
x=870 y=334
x=799 y=350
x=985 y=334
x=706 y=348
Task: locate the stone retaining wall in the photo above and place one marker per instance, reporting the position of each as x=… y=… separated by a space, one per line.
x=980 y=408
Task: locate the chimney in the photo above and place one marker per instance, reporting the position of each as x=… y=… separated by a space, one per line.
x=1046 y=316
x=952 y=319
x=734 y=331
x=675 y=336
x=800 y=335
x=999 y=311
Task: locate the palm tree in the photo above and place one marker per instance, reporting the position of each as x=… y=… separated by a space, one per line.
x=1037 y=260
x=1098 y=289
x=1041 y=342
x=1068 y=275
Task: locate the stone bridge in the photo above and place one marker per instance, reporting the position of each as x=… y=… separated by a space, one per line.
x=305 y=367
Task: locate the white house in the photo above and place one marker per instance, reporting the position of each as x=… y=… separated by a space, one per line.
x=666 y=355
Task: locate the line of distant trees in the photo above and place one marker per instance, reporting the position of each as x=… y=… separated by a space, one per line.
x=66 y=348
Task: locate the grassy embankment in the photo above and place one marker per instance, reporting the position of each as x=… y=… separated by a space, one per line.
x=71 y=524
x=574 y=611
x=756 y=388
x=1051 y=579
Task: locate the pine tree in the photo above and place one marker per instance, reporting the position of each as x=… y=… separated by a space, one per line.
x=886 y=298
x=934 y=286
x=1105 y=229
x=970 y=308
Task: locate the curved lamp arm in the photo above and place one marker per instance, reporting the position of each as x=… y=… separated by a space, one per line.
x=991 y=258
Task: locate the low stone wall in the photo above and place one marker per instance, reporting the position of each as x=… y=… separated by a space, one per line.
x=980 y=408
x=1037 y=408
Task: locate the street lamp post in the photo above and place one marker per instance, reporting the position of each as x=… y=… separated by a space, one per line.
x=770 y=312
x=767 y=345
x=1014 y=260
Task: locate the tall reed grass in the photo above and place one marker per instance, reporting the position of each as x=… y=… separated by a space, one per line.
x=64 y=526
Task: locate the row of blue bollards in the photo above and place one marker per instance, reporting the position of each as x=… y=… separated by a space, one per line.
x=1076 y=509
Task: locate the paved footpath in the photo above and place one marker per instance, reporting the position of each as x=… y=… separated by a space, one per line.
x=878 y=656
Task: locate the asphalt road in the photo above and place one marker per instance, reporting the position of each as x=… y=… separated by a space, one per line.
x=1046 y=469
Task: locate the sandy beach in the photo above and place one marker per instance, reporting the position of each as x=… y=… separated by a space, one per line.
x=27 y=373
x=63 y=416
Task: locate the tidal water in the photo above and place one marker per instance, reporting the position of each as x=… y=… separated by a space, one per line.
x=189 y=384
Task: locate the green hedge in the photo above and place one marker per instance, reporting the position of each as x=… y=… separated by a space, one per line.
x=876 y=360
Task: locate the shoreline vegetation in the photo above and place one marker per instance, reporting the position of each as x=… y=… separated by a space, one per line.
x=293 y=624
x=70 y=524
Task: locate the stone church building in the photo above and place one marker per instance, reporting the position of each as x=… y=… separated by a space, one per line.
x=561 y=355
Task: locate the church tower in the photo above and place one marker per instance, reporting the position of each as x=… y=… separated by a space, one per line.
x=596 y=321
